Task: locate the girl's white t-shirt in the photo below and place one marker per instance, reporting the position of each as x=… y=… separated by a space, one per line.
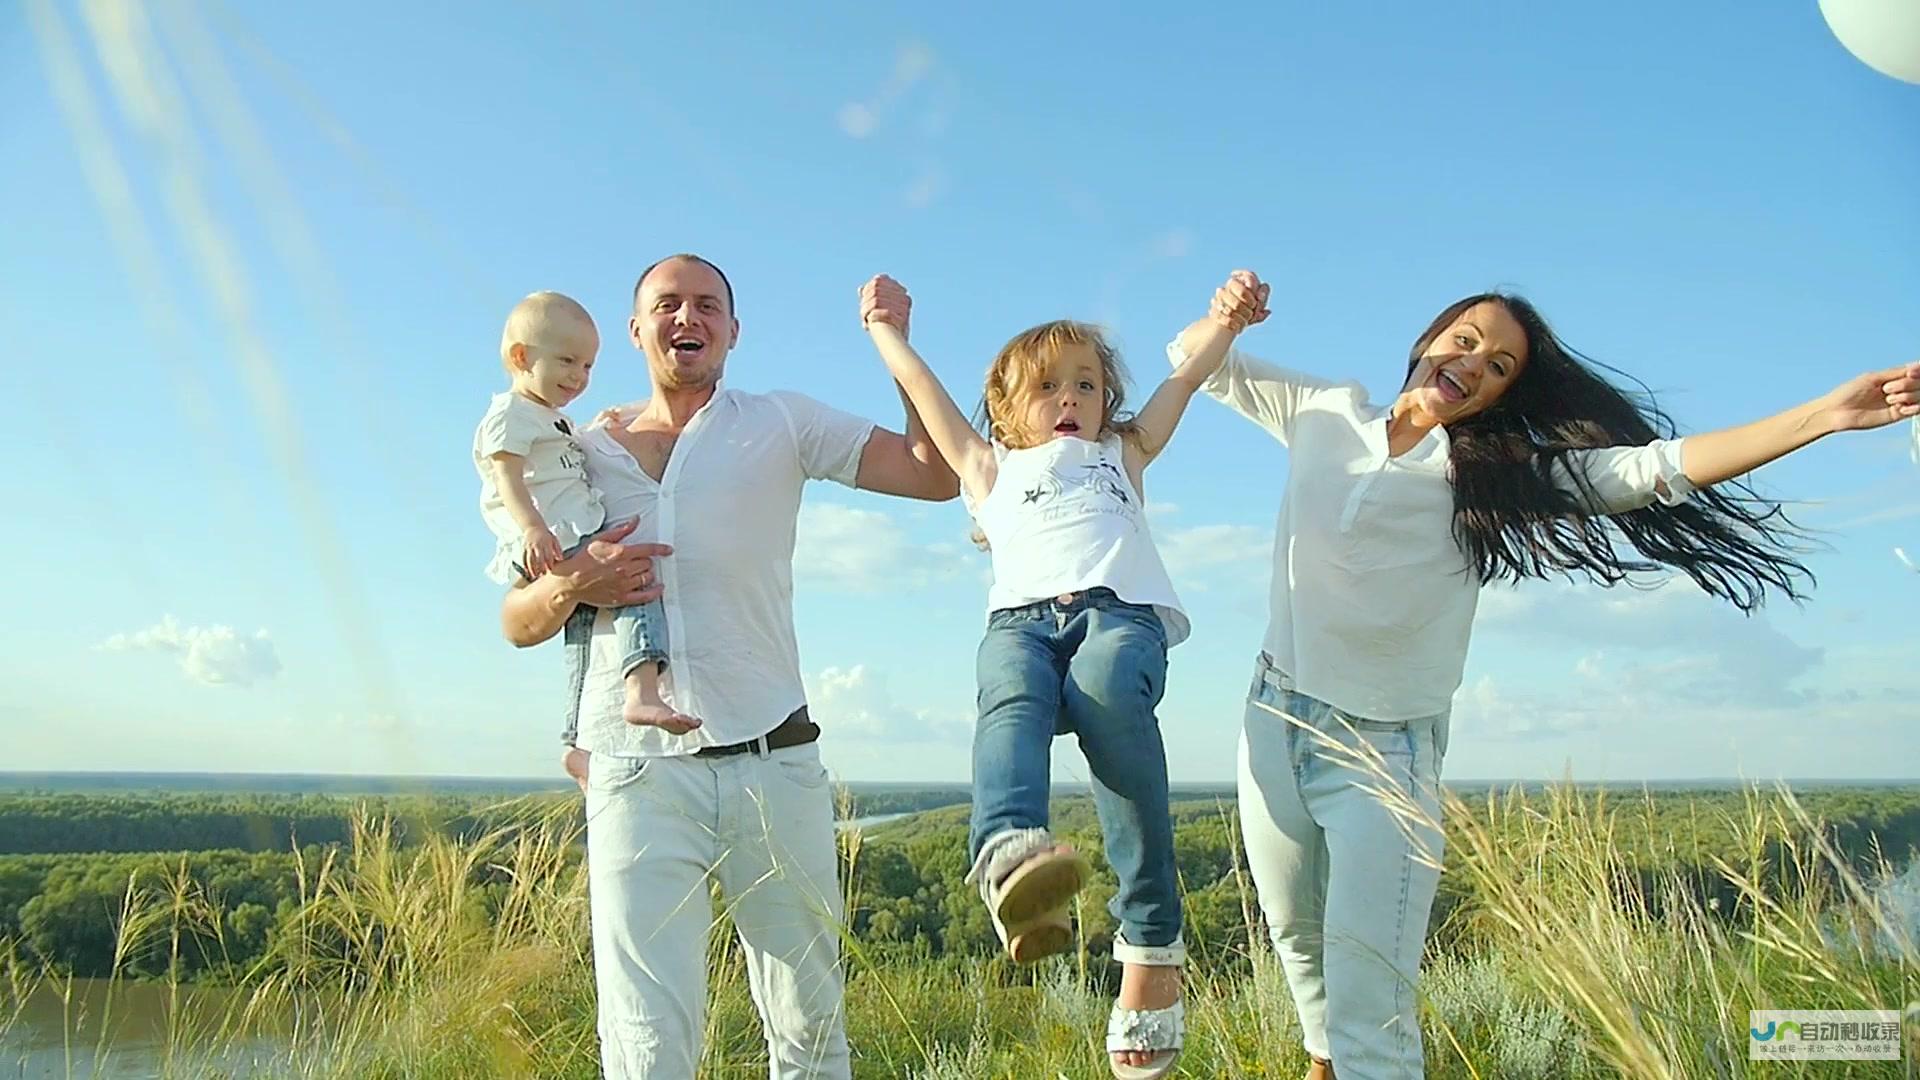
x=556 y=472
x=1064 y=517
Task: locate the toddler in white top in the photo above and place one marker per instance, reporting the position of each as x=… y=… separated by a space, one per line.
x=1081 y=615
x=537 y=497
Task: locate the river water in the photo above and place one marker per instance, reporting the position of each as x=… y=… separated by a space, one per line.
x=93 y=1029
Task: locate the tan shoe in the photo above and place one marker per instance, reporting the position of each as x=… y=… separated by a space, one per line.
x=1320 y=1070
x=1028 y=880
x=1043 y=935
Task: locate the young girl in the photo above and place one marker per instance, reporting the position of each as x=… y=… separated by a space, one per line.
x=1082 y=615
x=1505 y=455
x=535 y=494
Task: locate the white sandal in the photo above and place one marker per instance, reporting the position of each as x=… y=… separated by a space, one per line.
x=1159 y=1031
x=1027 y=882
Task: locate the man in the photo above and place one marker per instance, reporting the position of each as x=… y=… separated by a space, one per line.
x=742 y=798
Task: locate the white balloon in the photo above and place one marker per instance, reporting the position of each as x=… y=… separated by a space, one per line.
x=1883 y=34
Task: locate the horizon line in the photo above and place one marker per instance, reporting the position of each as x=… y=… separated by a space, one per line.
x=561 y=781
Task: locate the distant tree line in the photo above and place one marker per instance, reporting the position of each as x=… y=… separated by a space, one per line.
x=88 y=873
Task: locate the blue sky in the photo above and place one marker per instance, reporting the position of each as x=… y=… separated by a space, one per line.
x=246 y=530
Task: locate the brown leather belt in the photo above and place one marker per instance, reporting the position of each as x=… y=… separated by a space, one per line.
x=795 y=730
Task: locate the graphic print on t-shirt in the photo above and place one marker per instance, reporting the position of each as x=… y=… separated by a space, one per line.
x=1064 y=491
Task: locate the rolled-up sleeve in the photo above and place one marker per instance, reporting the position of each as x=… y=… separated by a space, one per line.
x=1623 y=478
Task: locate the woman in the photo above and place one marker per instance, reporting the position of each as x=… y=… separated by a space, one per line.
x=1504 y=456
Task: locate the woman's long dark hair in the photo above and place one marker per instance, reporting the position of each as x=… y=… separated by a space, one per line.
x=1515 y=523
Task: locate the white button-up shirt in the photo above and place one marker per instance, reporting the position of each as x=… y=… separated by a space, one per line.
x=728 y=503
x=1373 y=599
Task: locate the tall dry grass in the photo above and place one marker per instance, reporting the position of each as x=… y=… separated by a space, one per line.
x=467 y=960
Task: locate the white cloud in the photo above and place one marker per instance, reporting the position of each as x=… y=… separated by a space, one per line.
x=857 y=121
x=1595 y=729
x=868 y=551
x=1196 y=550
x=856 y=703
x=914 y=85
x=925 y=188
x=1485 y=708
x=1669 y=683
x=216 y=656
x=1173 y=244
x=860 y=119
x=1646 y=657
x=1672 y=641
x=912 y=62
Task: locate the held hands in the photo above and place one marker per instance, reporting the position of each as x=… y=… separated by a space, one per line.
x=540 y=551
x=1238 y=304
x=1875 y=399
x=884 y=300
x=1241 y=302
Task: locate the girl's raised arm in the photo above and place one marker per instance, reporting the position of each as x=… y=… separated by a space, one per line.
x=1238 y=304
x=884 y=309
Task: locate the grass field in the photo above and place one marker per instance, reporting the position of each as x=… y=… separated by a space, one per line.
x=396 y=964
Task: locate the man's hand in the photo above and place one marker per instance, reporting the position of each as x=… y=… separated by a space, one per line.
x=608 y=573
x=884 y=300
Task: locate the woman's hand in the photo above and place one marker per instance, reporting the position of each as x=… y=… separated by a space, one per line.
x=1241 y=302
x=1873 y=400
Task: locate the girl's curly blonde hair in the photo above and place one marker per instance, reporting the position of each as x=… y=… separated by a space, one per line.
x=1017 y=370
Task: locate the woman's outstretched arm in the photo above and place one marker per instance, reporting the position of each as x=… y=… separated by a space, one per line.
x=1864 y=402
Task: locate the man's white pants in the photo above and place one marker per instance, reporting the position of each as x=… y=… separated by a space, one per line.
x=658 y=829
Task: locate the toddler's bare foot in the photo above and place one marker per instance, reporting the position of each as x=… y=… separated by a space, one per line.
x=645 y=709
